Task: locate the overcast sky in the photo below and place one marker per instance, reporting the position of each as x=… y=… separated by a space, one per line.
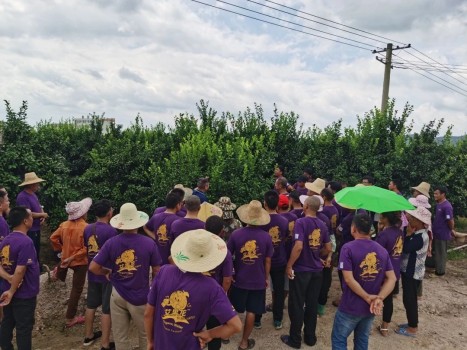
x=69 y=58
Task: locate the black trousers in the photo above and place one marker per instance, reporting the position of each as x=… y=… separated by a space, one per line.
x=216 y=343
x=36 y=239
x=18 y=314
x=303 y=306
x=325 y=286
x=388 y=308
x=278 y=285
x=409 y=298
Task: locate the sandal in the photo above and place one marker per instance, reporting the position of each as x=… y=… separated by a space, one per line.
x=383 y=331
x=251 y=345
x=404 y=331
x=75 y=321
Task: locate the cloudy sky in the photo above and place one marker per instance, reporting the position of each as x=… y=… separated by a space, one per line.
x=69 y=58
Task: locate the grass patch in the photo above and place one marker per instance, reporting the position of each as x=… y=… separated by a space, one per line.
x=459 y=254
x=461 y=224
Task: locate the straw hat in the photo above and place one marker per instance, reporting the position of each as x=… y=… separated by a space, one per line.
x=321 y=201
x=207 y=209
x=420 y=201
x=129 y=218
x=75 y=210
x=188 y=191
x=253 y=214
x=316 y=186
x=423 y=188
x=31 y=178
x=198 y=251
x=460 y=237
x=422 y=214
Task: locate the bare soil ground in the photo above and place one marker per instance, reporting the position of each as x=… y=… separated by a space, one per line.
x=442 y=314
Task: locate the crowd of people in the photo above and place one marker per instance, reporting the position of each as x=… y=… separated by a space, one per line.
x=182 y=281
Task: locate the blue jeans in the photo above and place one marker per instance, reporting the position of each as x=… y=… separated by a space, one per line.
x=345 y=324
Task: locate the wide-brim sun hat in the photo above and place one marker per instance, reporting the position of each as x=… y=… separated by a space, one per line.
x=225 y=204
x=422 y=214
x=188 y=191
x=253 y=214
x=198 y=251
x=30 y=179
x=129 y=218
x=423 y=188
x=304 y=197
x=420 y=201
x=316 y=186
x=207 y=210
x=75 y=210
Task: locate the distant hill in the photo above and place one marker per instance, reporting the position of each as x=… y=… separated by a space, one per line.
x=454 y=139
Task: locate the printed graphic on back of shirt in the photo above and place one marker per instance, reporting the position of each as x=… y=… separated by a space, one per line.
x=250 y=252
x=314 y=239
x=5 y=258
x=162 y=234
x=127 y=263
x=369 y=267
x=397 y=249
x=175 y=308
x=275 y=235
x=93 y=247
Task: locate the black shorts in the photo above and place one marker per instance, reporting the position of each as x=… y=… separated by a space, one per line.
x=99 y=294
x=248 y=300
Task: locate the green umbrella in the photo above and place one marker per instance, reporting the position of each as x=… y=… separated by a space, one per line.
x=372 y=198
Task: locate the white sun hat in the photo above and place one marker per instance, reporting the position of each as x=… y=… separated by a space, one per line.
x=129 y=218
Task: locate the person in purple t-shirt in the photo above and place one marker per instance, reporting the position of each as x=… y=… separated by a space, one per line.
x=304 y=270
x=160 y=225
x=222 y=274
x=99 y=287
x=28 y=199
x=299 y=186
x=252 y=250
x=296 y=205
x=330 y=210
x=368 y=280
x=4 y=208
x=182 y=299
x=190 y=221
x=443 y=229
x=183 y=193
x=278 y=230
x=127 y=260
x=19 y=269
x=392 y=239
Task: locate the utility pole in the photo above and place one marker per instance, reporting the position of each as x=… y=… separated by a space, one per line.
x=387 y=72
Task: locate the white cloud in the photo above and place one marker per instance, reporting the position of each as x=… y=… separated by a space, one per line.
x=159 y=58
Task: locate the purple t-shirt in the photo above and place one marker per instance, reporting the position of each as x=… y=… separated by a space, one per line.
x=130 y=256
x=161 y=225
x=181 y=213
x=392 y=239
x=443 y=213
x=314 y=234
x=225 y=269
x=183 y=303
x=298 y=212
x=345 y=228
x=291 y=218
x=30 y=201
x=250 y=246
x=369 y=262
x=333 y=215
x=302 y=190
x=278 y=230
x=18 y=249
x=182 y=225
x=326 y=221
x=4 y=228
x=95 y=235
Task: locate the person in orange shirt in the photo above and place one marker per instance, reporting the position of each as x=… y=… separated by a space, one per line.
x=68 y=241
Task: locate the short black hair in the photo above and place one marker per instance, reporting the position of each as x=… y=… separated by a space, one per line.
x=214 y=224
x=394 y=217
x=179 y=192
x=370 y=179
x=101 y=208
x=172 y=200
x=272 y=199
x=396 y=181
x=327 y=194
x=202 y=182
x=363 y=223
x=295 y=195
x=335 y=186
x=2 y=194
x=281 y=168
x=308 y=171
x=441 y=188
x=18 y=215
x=302 y=178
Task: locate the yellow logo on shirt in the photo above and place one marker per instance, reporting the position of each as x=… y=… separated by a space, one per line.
x=175 y=308
x=162 y=234
x=314 y=239
x=275 y=235
x=250 y=252
x=127 y=262
x=334 y=221
x=397 y=249
x=5 y=254
x=92 y=245
x=369 y=267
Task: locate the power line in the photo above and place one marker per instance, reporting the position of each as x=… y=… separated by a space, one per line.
x=293 y=23
x=279 y=25
x=328 y=20
x=310 y=20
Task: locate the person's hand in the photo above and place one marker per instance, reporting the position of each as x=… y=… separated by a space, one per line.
x=369 y=298
x=66 y=262
x=453 y=233
x=267 y=283
x=5 y=298
x=376 y=306
x=290 y=273
x=204 y=337
x=150 y=346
